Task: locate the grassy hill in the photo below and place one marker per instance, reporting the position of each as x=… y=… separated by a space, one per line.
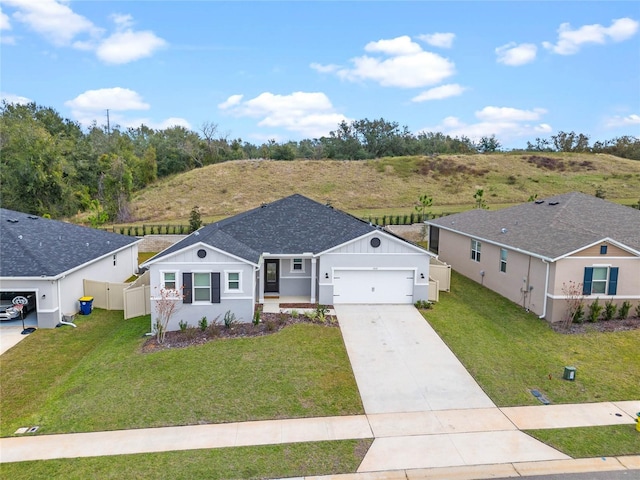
x=387 y=185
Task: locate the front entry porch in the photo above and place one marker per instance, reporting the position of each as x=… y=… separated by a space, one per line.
x=272 y=303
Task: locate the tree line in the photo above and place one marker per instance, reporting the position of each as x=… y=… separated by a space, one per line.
x=52 y=166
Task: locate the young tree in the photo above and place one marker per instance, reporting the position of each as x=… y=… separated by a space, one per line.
x=166 y=307
x=479 y=198
x=575 y=303
x=195 y=221
x=425 y=202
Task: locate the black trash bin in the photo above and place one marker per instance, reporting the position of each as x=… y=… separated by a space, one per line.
x=86 y=305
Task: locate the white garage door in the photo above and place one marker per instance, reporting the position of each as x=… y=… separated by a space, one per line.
x=373 y=286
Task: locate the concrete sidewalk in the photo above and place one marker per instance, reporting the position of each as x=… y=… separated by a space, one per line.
x=476 y=432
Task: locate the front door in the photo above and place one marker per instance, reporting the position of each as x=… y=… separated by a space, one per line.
x=271 y=275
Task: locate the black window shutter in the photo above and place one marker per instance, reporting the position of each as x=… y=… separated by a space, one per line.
x=613 y=281
x=588 y=278
x=215 y=287
x=186 y=287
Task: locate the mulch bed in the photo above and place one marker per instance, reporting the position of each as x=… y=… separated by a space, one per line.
x=269 y=323
x=618 y=325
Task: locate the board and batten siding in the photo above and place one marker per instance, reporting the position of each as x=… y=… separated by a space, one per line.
x=391 y=254
x=240 y=302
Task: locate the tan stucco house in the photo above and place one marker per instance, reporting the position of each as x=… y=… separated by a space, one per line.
x=531 y=252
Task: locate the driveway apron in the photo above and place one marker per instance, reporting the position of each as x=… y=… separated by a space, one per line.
x=401 y=364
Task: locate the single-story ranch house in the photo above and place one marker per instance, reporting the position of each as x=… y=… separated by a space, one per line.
x=291 y=247
x=532 y=252
x=51 y=259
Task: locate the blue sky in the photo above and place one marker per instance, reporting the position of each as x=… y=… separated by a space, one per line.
x=294 y=70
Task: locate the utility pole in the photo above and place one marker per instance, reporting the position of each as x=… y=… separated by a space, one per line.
x=108 y=126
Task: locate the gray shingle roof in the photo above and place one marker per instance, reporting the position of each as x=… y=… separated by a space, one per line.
x=32 y=246
x=292 y=225
x=553 y=227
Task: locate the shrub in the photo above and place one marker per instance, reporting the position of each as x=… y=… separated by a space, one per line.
x=203 y=324
x=623 y=311
x=594 y=311
x=610 y=310
x=183 y=325
x=213 y=330
x=294 y=313
x=256 y=316
x=190 y=333
x=270 y=325
x=638 y=310
x=423 y=305
x=282 y=318
x=321 y=312
x=578 y=314
x=229 y=319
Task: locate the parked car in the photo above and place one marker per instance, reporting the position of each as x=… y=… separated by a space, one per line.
x=8 y=300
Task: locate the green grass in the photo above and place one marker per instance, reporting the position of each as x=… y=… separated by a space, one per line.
x=585 y=442
x=270 y=461
x=95 y=378
x=509 y=352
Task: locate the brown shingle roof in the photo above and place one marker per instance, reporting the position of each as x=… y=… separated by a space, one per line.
x=552 y=227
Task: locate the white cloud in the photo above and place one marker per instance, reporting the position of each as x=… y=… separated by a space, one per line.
x=397 y=62
x=439 y=93
x=12 y=98
x=509 y=114
x=514 y=55
x=125 y=47
x=91 y=106
x=619 y=121
x=115 y=99
x=505 y=123
x=59 y=24
x=53 y=20
x=396 y=46
x=230 y=102
x=5 y=23
x=309 y=114
x=570 y=41
x=442 y=40
x=325 y=68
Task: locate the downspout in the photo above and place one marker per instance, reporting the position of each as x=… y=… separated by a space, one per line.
x=546 y=286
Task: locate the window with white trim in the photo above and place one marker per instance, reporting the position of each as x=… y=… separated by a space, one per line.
x=297 y=265
x=233 y=281
x=600 y=280
x=201 y=287
x=169 y=280
x=503 y=260
x=475 y=250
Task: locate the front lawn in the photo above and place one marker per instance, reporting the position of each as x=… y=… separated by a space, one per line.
x=585 y=442
x=510 y=352
x=95 y=378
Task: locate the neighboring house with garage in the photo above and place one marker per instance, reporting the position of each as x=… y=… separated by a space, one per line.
x=50 y=260
x=530 y=253
x=293 y=247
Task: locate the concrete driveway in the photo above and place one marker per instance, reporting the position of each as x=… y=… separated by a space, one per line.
x=401 y=364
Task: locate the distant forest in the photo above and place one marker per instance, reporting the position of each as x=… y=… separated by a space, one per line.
x=51 y=166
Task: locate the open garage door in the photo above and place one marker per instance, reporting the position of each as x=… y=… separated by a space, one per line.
x=373 y=286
